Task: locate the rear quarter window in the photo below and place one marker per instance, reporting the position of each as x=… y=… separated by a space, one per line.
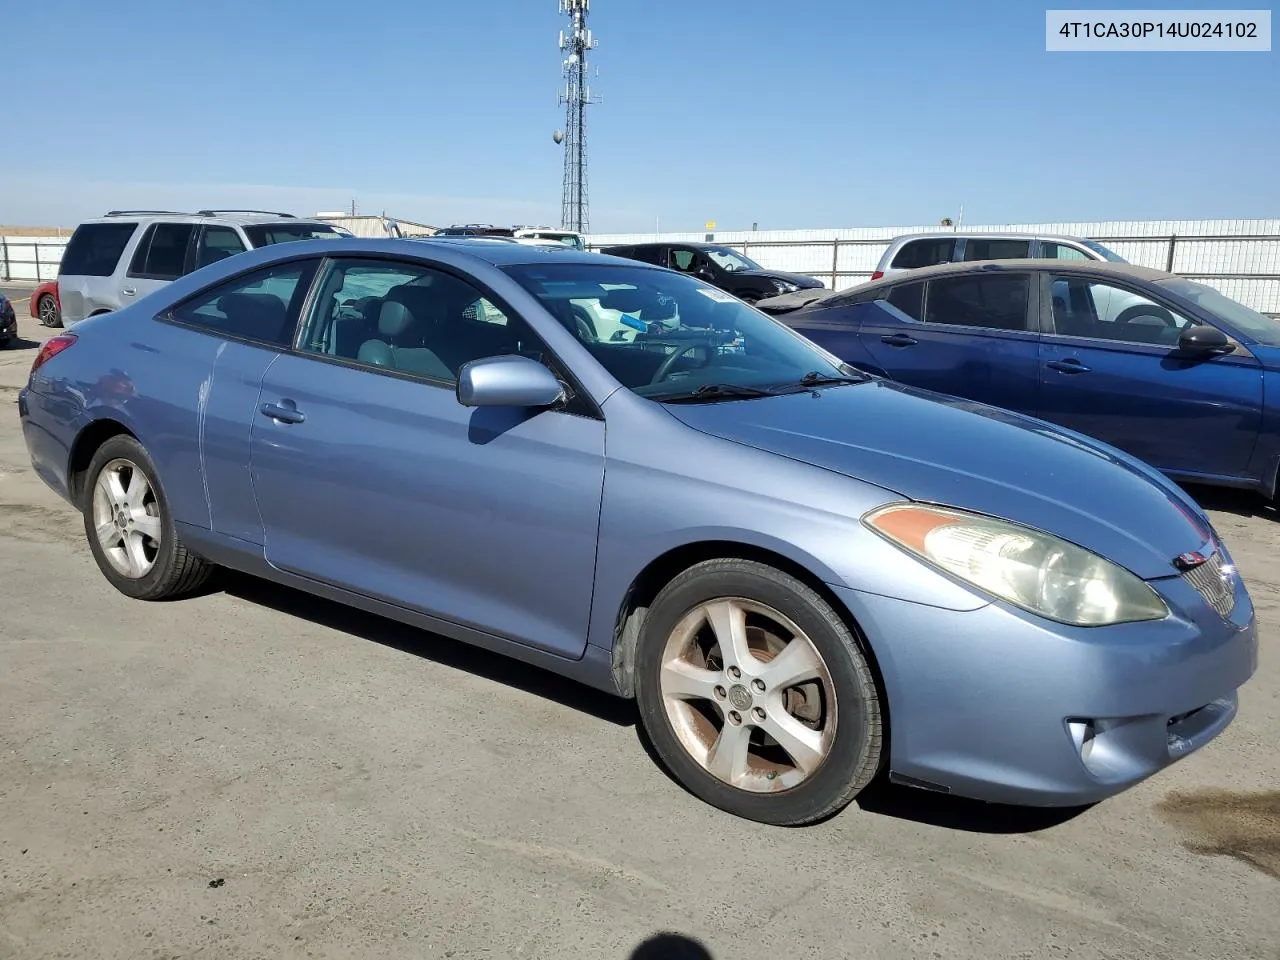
x=95 y=248
x=924 y=253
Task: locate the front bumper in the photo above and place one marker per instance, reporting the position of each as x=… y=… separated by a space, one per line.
x=8 y=324
x=1001 y=706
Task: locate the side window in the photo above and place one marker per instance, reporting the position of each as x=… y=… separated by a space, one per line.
x=652 y=255
x=409 y=318
x=981 y=248
x=1051 y=250
x=261 y=306
x=925 y=253
x=163 y=252
x=1085 y=308
x=95 y=249
x=217 y=243
x=909 y=298
x=998 y=302
x=682 y=259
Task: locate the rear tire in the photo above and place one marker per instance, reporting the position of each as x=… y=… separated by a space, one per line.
x=48 y=312
x=782 y=723
x=130 y=528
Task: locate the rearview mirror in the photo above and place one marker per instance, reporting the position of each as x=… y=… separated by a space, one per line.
x=1203 y=338
x=508 y=381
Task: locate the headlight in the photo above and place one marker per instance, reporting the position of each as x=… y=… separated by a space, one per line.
x=785 y=286
x=1029 y=568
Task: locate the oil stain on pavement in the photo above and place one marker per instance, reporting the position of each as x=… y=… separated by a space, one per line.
x=1245 y=826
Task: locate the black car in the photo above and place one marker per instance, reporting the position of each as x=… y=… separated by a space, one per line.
x=724 y=267
x=8 y=321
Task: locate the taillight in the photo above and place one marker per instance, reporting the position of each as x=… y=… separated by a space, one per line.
x=877 y=275
x=52 y=347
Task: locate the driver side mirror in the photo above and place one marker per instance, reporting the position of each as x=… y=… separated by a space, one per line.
x=1204 y=339
x=508 y=381
x=704 y=271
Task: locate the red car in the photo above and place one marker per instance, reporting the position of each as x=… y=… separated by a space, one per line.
x=45 y=305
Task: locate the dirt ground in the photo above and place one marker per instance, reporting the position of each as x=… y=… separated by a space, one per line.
x=256 y=773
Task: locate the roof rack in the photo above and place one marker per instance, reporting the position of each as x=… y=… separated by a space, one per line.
x=270 y=213
x=135 y=213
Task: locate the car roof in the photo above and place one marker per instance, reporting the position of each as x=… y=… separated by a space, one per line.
x=240 y=217
x=696 y=244
x=984 y=235
x=498 y=251
x=1100 y=268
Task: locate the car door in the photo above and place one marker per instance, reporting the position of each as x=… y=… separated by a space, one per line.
x=161 y=256
x=245 y=322
x=971 y=335
x=371 y=476
x=1111 y=368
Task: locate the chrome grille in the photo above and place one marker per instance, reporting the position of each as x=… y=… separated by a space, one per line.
x=1211 y=583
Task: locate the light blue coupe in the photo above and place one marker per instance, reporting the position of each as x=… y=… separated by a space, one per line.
x=806 y=576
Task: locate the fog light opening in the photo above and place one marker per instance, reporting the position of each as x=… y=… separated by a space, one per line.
x=1083 y=734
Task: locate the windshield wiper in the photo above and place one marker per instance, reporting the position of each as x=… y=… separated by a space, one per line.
x=816 y=379
x=716 y=391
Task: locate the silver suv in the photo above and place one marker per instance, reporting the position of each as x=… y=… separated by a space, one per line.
x=930 y=249
x=115 y=260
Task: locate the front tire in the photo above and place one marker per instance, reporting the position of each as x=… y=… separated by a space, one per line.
x=130 y=528
x=757 y=695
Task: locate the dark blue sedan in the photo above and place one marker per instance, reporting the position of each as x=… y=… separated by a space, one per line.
x=1164 y=368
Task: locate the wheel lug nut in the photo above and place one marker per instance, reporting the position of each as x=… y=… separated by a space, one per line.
x=759 y=685
x=720 y=693
x=759 y=713
x=735 y=672
x=735 y=717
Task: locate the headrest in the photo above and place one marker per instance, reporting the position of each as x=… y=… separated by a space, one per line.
x=394 y=319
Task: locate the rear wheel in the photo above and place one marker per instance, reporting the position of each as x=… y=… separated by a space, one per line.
x=130 y=529
x=47 y=311
x=756 y=694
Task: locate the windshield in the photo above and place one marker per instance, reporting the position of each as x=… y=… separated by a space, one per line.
x=1107 y=253
x=1255 y=325
x=263 y=235
x=730 y=260
x=664 y=334
x=568 y=239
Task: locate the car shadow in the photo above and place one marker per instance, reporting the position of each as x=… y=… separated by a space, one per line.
x=926 y=807
x=1241 y=503
x=429 y=646
x=21 y=343
x=958 y=813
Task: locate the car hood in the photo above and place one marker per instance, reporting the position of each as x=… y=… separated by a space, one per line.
x=802 y=280
x=927 y=447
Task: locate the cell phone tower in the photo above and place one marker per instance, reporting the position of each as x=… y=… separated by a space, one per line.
x=575 y=97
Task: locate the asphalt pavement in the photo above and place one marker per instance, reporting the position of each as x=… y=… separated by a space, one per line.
x=257 y=773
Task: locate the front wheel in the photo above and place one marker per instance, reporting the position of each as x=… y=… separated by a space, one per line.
x=130 y=529
x=757 y=695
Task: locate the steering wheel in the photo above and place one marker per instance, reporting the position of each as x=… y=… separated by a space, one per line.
x=664 y=370
x=1153 y=311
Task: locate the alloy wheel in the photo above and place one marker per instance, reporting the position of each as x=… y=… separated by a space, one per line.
x=748 y=695
x=126 y=518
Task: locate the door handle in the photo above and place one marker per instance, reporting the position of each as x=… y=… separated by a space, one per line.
x=1070 y=365
x=284 y=412
x=899 y=340
x=128 y=291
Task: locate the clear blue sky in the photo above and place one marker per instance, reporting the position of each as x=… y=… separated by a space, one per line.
x=810 y=113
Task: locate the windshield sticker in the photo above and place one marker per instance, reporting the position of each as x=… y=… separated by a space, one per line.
x=719 y=296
